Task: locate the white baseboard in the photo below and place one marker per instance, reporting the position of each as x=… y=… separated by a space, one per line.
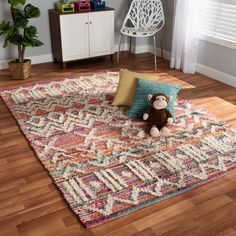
x=144 y=48
x=149 y=48
x=41 y=58
x=140 y=49
x=123 y=47
x=4 y=64
x=34 y=60
x=205 y=70
x=217 y=75
x=134 y=49
x=166 y=54
x=48 y=57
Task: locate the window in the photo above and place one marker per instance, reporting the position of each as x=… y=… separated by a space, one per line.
x=218 y=21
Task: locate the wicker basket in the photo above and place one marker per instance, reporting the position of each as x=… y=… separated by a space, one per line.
x=20 y=70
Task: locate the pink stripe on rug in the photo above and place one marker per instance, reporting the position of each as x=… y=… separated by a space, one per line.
x=107 y=165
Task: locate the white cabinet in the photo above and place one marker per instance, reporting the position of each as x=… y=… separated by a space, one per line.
x=81 y=35
x=101 y=33
x=74 y=36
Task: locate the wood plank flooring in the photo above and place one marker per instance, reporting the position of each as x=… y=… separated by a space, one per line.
x=30 y=204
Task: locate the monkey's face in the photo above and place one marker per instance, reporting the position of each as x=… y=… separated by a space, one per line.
x=160 y=102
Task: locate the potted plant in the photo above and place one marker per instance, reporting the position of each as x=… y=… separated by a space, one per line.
x=20 y=33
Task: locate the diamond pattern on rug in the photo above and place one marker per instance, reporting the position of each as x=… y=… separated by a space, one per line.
x=107 y=165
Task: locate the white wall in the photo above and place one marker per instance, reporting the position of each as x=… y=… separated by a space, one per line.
x=211 y=56
x=42 y=23
x=213 y=60
x=217 y=57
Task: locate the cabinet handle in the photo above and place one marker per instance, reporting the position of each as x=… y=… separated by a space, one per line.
x=86 y=23
x=90 y=22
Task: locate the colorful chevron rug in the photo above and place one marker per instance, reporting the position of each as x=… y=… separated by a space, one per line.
x=107 y=165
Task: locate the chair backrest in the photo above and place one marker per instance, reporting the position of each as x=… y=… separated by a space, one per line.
x=145 y=14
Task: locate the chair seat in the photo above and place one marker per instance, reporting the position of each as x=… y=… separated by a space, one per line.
x=134 y=32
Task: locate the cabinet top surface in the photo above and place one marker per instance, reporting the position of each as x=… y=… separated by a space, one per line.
x=68 y=13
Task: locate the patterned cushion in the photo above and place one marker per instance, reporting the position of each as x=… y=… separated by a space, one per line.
x=127 y=86
x=144 y=87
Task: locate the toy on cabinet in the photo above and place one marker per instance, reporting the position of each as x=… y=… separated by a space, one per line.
x=98 y=5
x=82 y=6
x=65 y=6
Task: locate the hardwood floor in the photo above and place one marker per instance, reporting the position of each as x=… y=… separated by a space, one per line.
x=30 y=204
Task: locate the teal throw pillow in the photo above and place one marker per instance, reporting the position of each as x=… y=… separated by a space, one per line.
x=145 y=87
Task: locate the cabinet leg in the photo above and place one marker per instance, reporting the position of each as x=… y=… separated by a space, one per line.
x=112 y=56
x=63 y=65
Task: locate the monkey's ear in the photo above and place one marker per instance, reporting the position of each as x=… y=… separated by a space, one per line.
x=169 y=98
x=150 y=97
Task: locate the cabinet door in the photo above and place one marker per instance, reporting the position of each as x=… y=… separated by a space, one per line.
x=101 y=33
x=74 y=36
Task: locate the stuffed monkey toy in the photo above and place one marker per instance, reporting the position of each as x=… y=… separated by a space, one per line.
x=158 y=116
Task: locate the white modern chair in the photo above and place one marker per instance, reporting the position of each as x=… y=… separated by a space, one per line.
x=144 y=19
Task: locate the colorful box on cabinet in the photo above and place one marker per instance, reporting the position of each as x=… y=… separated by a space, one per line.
x=98 y=5
x=68 y=7
x=82 y=6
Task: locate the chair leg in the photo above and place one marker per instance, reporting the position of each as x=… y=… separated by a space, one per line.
x=130 y=44
x=162 y=54
x=118 y=54
x=155 y=51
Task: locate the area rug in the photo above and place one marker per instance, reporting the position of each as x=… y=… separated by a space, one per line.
x=107 y=165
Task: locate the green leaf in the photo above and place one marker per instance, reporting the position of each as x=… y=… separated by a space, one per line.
x=11 y=30
x=17 y=13
x=35 y=42
x=6 y=28
x=19 y=18
x=16 y=39
x=31 y=11
x=30 y=32
x=3 y=26
x=18 y=32
x=26 y=42
x=16 y=2
x=21 y=23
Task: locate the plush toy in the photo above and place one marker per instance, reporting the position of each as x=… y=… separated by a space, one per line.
x=158 y=116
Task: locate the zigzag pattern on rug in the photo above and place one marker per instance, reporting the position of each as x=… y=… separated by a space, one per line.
x=107 y=165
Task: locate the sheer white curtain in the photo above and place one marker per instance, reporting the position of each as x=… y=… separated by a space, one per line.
x=185 y=35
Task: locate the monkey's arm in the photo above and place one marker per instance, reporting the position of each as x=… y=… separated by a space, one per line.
x=170 y=120
x=146 y=114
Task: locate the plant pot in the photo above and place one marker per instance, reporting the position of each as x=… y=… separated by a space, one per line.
x=20 y=70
